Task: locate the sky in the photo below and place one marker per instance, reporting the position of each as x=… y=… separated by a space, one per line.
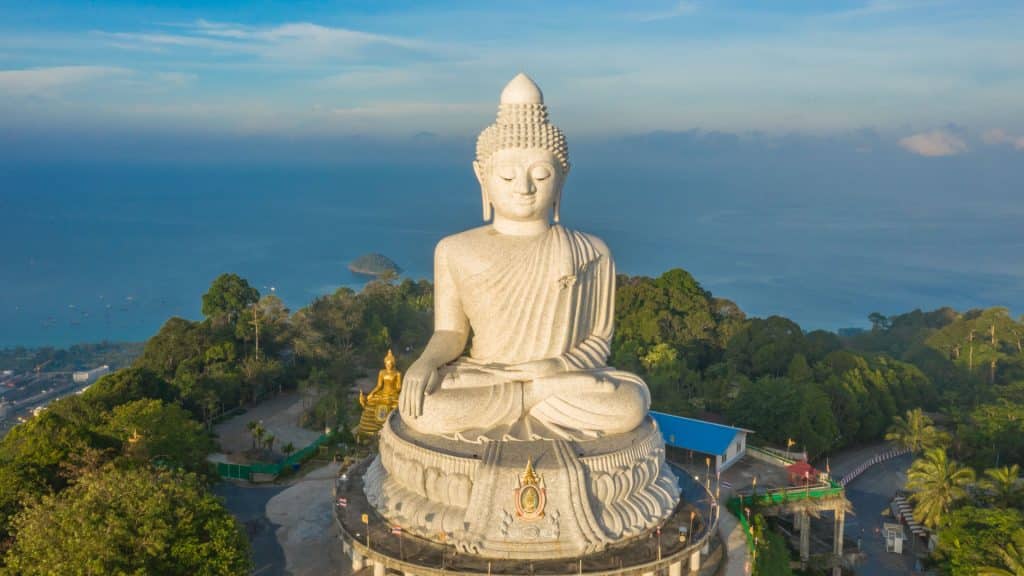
x=816 y=159
x=939 y=76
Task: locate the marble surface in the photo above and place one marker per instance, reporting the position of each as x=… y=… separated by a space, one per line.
x=530 y=445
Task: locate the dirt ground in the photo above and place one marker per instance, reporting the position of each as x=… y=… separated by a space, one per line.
x=307 y=532
x=280 y=417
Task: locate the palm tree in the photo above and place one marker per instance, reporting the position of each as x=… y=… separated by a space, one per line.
x=937 y=483
x=251 y=426
x=288 y=449
x=1004 y=485
x=1012 y=555
x=917 y=432
x=257 y=430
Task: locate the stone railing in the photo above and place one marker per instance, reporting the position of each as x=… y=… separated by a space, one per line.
x=876 y=459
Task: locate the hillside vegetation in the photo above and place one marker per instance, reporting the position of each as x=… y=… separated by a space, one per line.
x=700 y=355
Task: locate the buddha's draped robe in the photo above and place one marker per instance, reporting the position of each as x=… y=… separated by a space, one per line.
x=553 y=299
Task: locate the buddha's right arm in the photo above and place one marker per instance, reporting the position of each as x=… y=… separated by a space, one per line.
x=451 y=332
x=443 y=347
x=451 y=327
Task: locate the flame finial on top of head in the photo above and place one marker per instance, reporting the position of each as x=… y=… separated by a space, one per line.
x=522 y=90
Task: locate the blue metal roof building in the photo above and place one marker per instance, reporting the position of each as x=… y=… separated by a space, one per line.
x=726 y=443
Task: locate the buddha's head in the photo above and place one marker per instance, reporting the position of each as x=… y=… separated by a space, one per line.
x=521 y=160
x=389 y=361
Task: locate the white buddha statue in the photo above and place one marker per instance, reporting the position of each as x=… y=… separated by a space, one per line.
x=530 y=446
x=538 y=299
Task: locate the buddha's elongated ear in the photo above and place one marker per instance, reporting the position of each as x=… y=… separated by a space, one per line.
x=487 y=204
x=556 y=209
x=478 y=169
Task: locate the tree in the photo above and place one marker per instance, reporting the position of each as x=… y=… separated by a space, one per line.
x=937 y=483
x=288 y=449
x=257 y=430
x=125 y=385
x=765 y=347
x=1004 y=485
x=879 y=321
x=1012 y=555
x=991 y=434
x=974 y=537
x=771 y=554
x=916 y=432
x=134 y=520
x=228 y=296
x=161 y=431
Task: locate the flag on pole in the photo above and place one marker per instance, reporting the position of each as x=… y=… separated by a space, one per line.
x=342 y=501
x=396 y=530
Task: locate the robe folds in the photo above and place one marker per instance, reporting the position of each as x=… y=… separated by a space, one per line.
x=554 y=298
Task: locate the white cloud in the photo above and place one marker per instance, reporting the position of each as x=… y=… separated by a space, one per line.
x=934 y=143
x=998 y=136
x=34 y=81
x=300 y=41
x=176 y=78
x=874 y=7
x=681 y=8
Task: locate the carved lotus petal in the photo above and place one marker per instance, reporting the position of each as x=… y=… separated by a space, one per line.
x=604 y=486
x=459 y=489
x=433 y=484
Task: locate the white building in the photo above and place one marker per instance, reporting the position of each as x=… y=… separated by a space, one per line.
x=90 y=376
x=727 y=444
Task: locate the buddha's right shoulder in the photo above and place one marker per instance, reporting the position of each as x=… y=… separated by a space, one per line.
x=459 y=242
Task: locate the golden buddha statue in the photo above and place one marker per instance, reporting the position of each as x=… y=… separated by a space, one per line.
x=380 y=401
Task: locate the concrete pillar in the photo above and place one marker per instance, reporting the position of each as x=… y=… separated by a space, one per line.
x=675 y=569
x=378 y=568
x=837 y=536
x=358 y=562
x=805 y=538
x=695 y=561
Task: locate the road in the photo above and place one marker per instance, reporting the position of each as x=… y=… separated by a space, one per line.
x=248 y=503
x=870 y=494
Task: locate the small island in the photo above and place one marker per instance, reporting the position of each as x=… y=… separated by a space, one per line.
x=374 y=264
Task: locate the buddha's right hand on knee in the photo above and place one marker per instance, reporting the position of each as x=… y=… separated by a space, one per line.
x=421 y=379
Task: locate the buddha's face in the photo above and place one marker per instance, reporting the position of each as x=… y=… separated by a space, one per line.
x=522 y=184
x=389 y=363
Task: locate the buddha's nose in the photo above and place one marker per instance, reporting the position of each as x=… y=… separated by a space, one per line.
x=525 y=186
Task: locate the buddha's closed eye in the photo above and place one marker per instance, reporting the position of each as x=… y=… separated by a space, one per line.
x=540 y=172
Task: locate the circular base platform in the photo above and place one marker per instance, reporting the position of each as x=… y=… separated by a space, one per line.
x=379 y=545
x=541 y=498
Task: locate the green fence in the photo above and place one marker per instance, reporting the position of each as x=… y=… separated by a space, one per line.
x=779 y=496
x=245 y=471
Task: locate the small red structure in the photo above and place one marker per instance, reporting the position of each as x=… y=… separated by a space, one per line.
x=801 y=473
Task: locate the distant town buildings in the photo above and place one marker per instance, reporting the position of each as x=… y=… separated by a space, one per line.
x=90 y=376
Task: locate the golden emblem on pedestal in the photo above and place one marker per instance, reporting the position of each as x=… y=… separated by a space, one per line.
x=531 y=495
x=380 y=401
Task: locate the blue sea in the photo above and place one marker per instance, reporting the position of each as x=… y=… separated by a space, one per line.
x=815 y=230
